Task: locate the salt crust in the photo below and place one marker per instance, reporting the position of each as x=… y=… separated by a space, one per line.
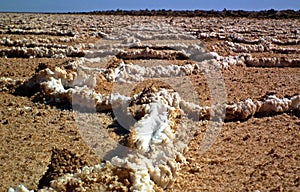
x=148 y=165
x=158 y=153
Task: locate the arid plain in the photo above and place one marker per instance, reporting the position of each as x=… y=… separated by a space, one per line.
x=248 y=67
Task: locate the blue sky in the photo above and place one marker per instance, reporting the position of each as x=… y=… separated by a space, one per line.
x=92 y=5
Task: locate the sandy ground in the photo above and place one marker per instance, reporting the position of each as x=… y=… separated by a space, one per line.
x=261 y=153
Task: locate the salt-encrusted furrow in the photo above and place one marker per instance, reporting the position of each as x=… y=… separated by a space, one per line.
x=245 y=109
x=244 y=48
x=154 y=134
x=266 y=47
x=130 y=72
x=57 y=81
x=157 y=139
x=135 y=73
x=101 y=53
x=154 y=129
x=243 y=36
x=41 y=52
x=29 y=43
x=20 y=188
x=40 y=32
x=237 y=38
x=102 y=175
x=272 y=62
x=149 y=53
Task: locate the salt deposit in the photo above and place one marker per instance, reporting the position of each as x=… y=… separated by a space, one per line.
x=20 y=188
x=272 y=62
x=247 y=108
x=156 y=140
x=155 y=129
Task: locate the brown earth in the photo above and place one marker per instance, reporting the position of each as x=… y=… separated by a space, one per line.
x=261 y=153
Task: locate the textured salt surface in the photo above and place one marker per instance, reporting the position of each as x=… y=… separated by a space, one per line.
x=160 y=108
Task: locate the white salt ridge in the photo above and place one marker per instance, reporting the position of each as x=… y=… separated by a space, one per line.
x=161 y=168
x=101 y=53
x=245 y=109
x=20 y=188
x=55 y=32
x=29 y=43
x=42 y=52
x=149 y=32
x=60 y=85
x=266 y=47
x=271 y=104
x=153 y=128
x=140 y=176
x=136 y=73
x=272 y=62
x=103 y=49
x=239 y=48
x=130 y=72
x=84 y=97
x=155 y=122
x=89 y=174
x=277 y=105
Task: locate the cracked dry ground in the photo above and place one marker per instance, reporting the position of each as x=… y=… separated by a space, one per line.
x=261 y=153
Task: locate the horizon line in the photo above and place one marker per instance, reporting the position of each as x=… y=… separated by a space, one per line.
x=137 y=10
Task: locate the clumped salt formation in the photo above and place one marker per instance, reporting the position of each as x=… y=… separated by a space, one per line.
x=156 y=141
x=146 y=135
x=34 y=47
x=20 y=188
x=242 y=37
x=246 y=109
x=155 y=128
x=160 y=42
x=272 y=62
x=58 y=30
x=102 y=177
x=156 y=160
x=52 y=52
x=251 y=47
x=41 y=32
x=53 y=84
x=270 y=104
x=151 y=53
x=135 y=73
x=29 y=43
